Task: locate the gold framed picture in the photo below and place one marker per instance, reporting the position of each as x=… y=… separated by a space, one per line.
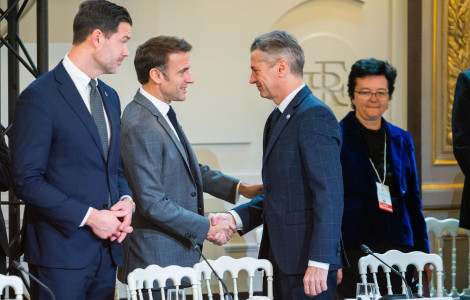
x=451 y=30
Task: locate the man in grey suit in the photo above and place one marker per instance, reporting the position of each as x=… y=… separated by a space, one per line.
x=302 y=207
x=162 y=169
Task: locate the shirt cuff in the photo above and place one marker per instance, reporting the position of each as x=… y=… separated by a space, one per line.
x=237 y=194
x=86 y=217
x=130 y=198
x=317 y=264
x=238 y=220
x=126 y=196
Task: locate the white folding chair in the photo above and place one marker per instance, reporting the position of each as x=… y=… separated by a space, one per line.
x=234 y=266
x=442 y=229
x=401 y=261
x=13 y=282
x=143 y=279
x=122 y=291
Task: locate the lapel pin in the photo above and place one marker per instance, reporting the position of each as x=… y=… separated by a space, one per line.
x=288 y=117
x=106 y=94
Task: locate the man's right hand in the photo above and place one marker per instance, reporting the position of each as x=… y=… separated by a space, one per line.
x=104 y=223
x=221 y=229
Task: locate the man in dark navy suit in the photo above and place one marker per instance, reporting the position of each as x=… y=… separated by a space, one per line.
x=461 y=140
x=302 y=207
x=65 y=147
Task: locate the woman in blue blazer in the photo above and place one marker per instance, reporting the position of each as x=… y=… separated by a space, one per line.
x=382 y=203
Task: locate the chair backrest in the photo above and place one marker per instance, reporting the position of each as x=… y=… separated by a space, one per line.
x=234 y=266
x=442 y=229
x=13 y=282
x=401 y=261
x=143 y=279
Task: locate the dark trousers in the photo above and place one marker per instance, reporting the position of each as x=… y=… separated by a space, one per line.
x=3 y=263
x=95 y=281
x=288 y=286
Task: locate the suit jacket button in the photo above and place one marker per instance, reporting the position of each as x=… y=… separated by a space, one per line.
x=105 y=206
x=267 y=189
x=193 y=194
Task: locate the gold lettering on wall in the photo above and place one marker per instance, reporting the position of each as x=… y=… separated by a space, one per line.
x=327 y=83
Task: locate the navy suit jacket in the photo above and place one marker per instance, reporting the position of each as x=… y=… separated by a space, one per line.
x=302 y=206
x=461 y=140
x=59 y=170
x=363 y=221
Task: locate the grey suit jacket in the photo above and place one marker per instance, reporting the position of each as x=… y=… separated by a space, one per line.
x=167 y=187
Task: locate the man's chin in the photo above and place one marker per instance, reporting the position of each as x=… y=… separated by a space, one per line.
x=112 y=70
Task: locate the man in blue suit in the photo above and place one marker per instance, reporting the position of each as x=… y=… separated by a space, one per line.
x=65 y=148
x=461 y=140
x=302 y=206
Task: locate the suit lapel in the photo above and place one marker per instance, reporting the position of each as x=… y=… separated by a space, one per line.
x=113 y=118
x=357 y=144
x=72 y=96
x=140 y=99
x=191 y=160
x=284 y=119
x=395 y=140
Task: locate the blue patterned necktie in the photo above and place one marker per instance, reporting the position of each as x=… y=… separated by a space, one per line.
x=97 y=112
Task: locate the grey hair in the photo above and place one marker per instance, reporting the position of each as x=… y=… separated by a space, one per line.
x=281 y=44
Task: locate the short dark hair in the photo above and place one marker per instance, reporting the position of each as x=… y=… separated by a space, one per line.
x=281 y=44
x=371 y=67
x=154 y=54
x=98 y=14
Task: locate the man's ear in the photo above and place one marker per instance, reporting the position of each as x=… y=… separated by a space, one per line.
x=96 y=37
x=282 y=67
x=156 y=75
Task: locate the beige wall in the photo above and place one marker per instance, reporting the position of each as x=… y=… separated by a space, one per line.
x=223 y=115
x=223 y=112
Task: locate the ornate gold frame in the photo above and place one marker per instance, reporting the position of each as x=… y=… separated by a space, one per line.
x=451 y=49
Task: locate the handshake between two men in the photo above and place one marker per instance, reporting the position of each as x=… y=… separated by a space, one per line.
x=223 y=225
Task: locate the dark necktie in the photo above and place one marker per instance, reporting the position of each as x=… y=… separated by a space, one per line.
x=172 y=116
x=274 y=118
x=97 y=112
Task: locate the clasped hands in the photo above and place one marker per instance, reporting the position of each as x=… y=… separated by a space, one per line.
x=223 y=225
x=222 y=228
x=114 y=223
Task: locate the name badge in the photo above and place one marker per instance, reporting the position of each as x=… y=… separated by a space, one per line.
x=383 y=194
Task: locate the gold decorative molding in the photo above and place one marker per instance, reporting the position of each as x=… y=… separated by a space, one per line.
x=451 y=53
x=445 y=186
